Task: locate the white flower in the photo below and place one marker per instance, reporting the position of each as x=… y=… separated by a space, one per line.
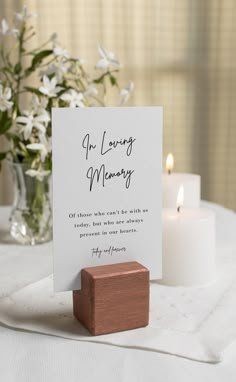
x=126 y=92
x=49 y=87
x=39 y=147
x=4 y=30
x=107 y=60
x=24 y=15
x=46 y=141
x=4 y=27
x=46 y=145
x=58 y=51
x=5 y=95
x=73 y=98
x=37 y=174
x=56 y=68
x=30 y=121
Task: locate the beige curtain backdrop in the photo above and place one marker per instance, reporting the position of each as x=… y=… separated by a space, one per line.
x=180 y=54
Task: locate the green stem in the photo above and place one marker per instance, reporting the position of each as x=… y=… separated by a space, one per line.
x=104 y=90
x=20 y=49
x=8 y=79
x=33 y=51
x=82 y=84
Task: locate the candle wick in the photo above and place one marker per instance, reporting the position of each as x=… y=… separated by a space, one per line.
x=169 y=172
x=178 y=209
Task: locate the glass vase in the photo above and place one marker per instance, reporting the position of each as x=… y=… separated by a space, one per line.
x=31 y=215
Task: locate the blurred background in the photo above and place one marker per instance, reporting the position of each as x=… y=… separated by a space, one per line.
x=180 y=54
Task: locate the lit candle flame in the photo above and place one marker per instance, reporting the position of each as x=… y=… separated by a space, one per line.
x=169 y=163
x=180 y=198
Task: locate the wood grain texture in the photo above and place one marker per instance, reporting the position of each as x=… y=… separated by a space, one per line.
x=113 y=298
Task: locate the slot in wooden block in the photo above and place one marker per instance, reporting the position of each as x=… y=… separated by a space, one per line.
x=113 y=298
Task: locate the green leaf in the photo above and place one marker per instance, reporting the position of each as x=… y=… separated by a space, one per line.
x=48 y=163
x=38 y=58
x=99 y=79
x=113 y=80
x=17 y=68
x=5 y=122
x=29 y=70
x=3 y=155
x=4 y=127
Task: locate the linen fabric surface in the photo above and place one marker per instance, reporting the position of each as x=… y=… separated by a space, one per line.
x=197 y=323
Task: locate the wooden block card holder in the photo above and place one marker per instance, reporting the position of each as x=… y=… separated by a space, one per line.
x=113 y=298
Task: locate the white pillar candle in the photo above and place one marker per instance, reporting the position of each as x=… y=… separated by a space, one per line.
x=171 y=183
x=188 y=241
x=170 y=187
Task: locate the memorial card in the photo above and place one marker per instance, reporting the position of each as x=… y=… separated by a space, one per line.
x=107 y=165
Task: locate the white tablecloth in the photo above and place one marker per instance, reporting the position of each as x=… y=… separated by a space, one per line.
x=34 y=357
